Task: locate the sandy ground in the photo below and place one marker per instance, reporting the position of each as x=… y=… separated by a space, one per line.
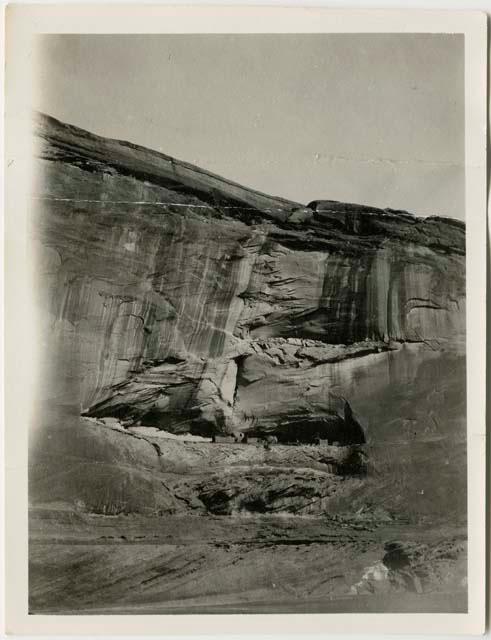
x=82 y=563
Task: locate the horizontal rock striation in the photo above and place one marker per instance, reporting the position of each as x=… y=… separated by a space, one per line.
x=181 y=300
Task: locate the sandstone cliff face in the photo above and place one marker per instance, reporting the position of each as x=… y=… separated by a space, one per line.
x=183 y=301
x=174 y=302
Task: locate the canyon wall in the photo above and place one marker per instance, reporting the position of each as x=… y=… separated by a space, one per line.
x=174 y=298
x=175 y=305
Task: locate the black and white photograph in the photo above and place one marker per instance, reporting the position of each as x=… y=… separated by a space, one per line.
x=249 y=275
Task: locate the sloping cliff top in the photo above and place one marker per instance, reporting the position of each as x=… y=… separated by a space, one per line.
x=319 y=225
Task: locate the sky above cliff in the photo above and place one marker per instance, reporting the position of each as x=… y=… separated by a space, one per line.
x=374 y=119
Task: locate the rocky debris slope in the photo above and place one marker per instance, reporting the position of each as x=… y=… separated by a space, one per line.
x=179 y=299
x=111 y=470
